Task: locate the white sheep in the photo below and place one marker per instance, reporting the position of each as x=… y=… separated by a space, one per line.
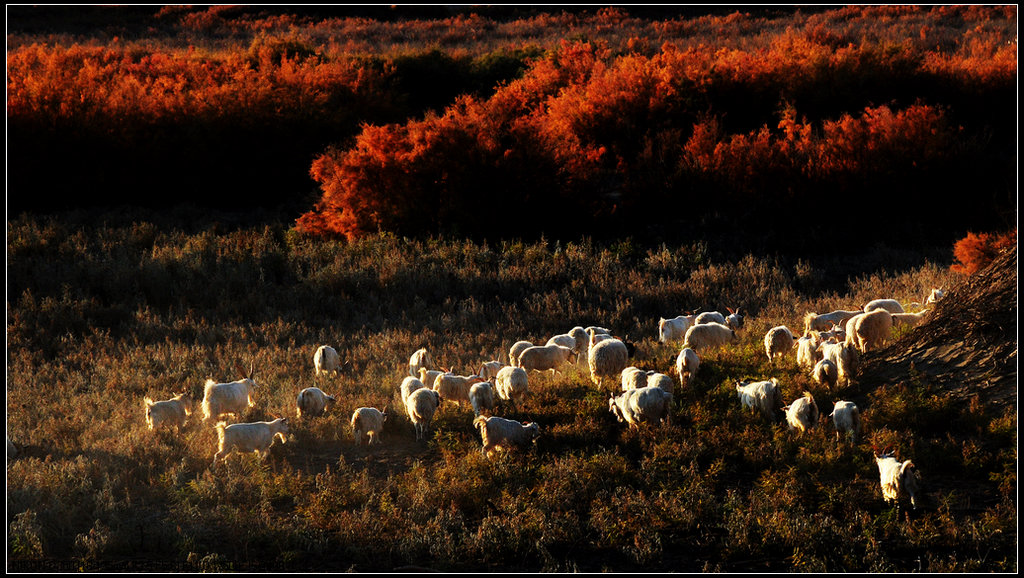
x=420 y=359
x=481 y=397
x=489 y=369
x=846 y=419
x=512 y=384
x=455 y=388
x=687 y=364
x=367 y=423
x=825 y=321
x=606 y=360
x=650 y=404
x=803 y=413
x=890 y=305
x=661 y=380
x=249 y=437
x=778 y=341
x=421 y=407
x=763 y=396
x=704 y=336
x=841 y=354
x=671 y=330
x=228 y=398
x=934 y=297
x=501 y=433
x=546 y=358
x=409 y=385
x=598 y=330
x=807 y=349
x=868 y=331
x=897 y=478
x=326 y=360
x=826 y=373
x=313 y=402
x=516 y=350
x=633 y=378
x=709 y=317
x=582 y=344
x=563 y=339
x=908 y=319
x=168 y=413
x=429 y=376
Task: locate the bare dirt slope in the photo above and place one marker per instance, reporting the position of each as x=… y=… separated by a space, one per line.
x=967 y=346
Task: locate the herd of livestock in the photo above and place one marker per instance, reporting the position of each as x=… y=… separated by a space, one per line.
x=828 y=348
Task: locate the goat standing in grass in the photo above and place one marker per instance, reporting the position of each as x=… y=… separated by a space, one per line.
x=897 y=478
x=249 y=437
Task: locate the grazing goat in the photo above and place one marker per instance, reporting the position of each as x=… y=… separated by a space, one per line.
x=803 y=413
x=778 y=341
x=897 y=478
x=763 y=396
x=249 y=437
x=823 y=322
x=807 y=349
x=512 y=384
x=516 y=350
x=868 y=331
x=826 y=373
x=168 y=413
x=671 y=330
x=687 y=364
x=489 y=369
x=409 y=385
x=908 y=319
x=607 y=359
x=429 y=376
x=546 y=358
x=421 y=406
x=890 y=305
x=455 y=388
x=843 y=355
x=325 y=360
x=367 y=423
x=501 y=433
x=228 y=398
x=481 y=397
x=846 y=419
x=419 y=359
x=633 y=378
x=313 y=402
x=563 y=339
x=704 y=336
x=649 y=404
x=660 y=380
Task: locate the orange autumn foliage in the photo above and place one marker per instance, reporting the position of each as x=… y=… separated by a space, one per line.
x=977 y=250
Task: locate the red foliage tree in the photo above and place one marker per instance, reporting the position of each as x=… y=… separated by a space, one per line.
x=977 y=250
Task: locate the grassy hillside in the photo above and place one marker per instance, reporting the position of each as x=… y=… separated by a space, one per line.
x=106 y=308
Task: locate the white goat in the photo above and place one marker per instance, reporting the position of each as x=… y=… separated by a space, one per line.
x=846 y=419
x=660 y=380
x=826 y=373
x=908 y=319
x=367 y=423
x=168 y=413
x=807 y=349
x=455 y=388
x=501 y=433
x=890 y=305
x=687 y=364
x=778 y=341
x=228 y=398
x=671 y=330
x=421 y=407
x=607 y=359
x=429 y=376
x=489 y=369
x=481 y=397
x=420 y=359
x=516 y=350
x=512 y=384
x=409 y=385
x=326 y=359
x=803 y=413
x=563 y=339
x=825 y=321
x=705 y=336
x=633 y=378
x=843 y=355
x=313 y=402
x=763 y=396
x=897 y=478
x=650 y=404
x=868 y=331
x=935 y=296
x=249 y=437
x=546 y=358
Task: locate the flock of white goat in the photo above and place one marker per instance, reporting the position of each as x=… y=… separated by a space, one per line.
x=828 y=348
